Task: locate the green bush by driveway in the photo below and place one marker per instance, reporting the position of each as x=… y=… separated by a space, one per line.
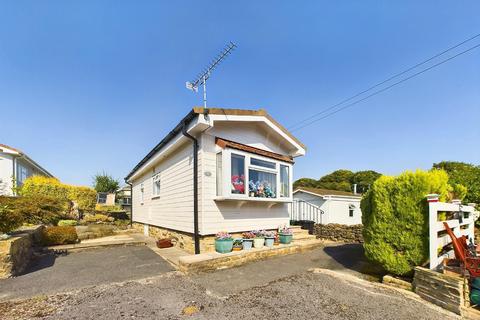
x=395 y=218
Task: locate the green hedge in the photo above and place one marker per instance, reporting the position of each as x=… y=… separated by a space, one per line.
x=395 y=218
x=85 y=197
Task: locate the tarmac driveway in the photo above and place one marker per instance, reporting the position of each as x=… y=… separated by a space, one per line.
x=58 y=273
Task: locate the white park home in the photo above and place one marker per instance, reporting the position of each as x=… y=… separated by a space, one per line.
x=333 y=206
x=15 y=167
x=217 y=170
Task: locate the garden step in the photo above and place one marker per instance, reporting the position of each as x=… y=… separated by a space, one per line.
x=303 y=236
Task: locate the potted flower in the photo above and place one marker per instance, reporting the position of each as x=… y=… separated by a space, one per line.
x=259 y=239
x=277 y=239
x=248 y=240
x=223 y=242
x=269 y=238
x=286 y=235
x=237 y=245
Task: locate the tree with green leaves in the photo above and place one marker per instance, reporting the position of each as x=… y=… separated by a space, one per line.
x=305 y=182
x=341 y=180
x=105 y=183
x=465 y=174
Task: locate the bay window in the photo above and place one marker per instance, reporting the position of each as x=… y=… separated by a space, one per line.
x=248 y=176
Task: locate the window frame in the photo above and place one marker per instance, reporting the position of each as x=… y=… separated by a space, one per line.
x=156 y=193
x=351 y=210
x=224 y=191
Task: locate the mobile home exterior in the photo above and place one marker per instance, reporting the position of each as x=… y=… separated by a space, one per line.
x=15 y=167
x=244 y=163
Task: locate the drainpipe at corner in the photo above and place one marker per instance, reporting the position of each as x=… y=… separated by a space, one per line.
x=195 y=187
x=131 y=202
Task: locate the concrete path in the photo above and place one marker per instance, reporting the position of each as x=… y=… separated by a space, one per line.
x=53 y=274
x=346 y=258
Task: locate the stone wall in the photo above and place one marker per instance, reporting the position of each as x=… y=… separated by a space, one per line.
x=340 y=232
x=447 y=291
x=183 y=240
x=16 y=251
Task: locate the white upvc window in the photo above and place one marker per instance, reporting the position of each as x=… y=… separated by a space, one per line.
x=248 y=176
x=142 y=193
x=156 y=186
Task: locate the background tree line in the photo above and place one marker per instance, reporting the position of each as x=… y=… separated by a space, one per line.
x=459 y=173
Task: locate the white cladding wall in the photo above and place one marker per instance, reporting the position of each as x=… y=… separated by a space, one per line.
x=174 y=207
x=235 y=216
x=6 y=172
x=336 y=208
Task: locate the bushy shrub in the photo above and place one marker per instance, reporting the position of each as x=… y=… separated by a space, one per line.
x=97 y=218
x=84 y=197
x=63 y=223
x=59 y=235
x=395 y=218
x=9 y=218
x=38 y=209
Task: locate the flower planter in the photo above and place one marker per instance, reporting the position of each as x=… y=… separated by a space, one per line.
x=269 y=242
x=258 y=242
x=223 y=246
x=285 y=238
x=247 y=244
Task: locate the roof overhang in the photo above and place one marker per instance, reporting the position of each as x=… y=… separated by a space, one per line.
x=199 y=120
x=329 y=196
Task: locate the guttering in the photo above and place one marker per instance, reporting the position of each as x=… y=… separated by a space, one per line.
x=195 y=187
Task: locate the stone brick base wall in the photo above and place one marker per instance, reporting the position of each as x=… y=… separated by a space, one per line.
x=447 y=291
x=15 y=252
x=340 y=232
x=183 y=240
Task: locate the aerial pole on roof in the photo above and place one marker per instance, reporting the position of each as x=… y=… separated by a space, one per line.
x=203 y=76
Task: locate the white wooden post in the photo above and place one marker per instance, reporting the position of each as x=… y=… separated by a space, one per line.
x=465 y=227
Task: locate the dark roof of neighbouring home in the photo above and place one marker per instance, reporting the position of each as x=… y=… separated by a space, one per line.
x=327 y=192
x=243 y=147
x=200 y=110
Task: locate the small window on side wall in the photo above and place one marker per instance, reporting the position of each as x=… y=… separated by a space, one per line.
x=156 y=185
x=351 y=208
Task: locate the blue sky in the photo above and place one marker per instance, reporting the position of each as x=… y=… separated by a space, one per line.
x=91 y=86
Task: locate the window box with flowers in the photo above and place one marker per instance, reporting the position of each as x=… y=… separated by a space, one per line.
x=251 y=177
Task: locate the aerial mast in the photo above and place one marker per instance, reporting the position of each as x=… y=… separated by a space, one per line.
x=202 y=77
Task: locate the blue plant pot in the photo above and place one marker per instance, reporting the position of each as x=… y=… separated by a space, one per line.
x=285 y=238
x=269 y=242
x=247 y=244
x=223 y=246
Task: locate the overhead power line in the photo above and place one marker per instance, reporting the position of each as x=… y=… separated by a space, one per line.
x=387 y=88
x=299 y=124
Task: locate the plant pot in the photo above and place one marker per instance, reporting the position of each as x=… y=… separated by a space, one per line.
x=247 y=244
x=269 y=242
x=285 y=238
x=223 y=246
x=237 y=249
x=258 y=242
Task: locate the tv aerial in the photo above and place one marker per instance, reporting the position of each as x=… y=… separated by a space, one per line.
x=203 y=76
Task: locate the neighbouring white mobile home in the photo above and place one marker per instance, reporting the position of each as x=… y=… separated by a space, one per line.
x=15 y=167
x=217 y=170
x=333 y=206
